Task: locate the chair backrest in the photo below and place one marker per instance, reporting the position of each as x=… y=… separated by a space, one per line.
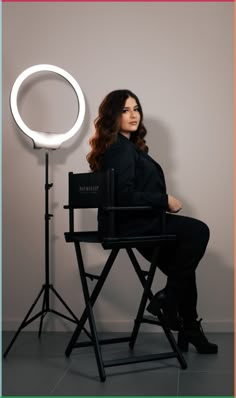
x=97 y=190
x=90 y=191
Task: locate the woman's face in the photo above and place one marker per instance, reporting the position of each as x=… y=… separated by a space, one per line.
x=130 y=117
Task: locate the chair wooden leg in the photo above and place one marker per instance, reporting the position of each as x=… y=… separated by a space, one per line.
x=173 y=343
x=145 y=296
x=88 y=312
x=97 y=348
x=147 y=283
x=93 y=298
x=90 y=316
x=139 y=271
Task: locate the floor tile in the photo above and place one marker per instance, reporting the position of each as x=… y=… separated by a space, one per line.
x=28 y=345
x=39 y=367
x=128 y=380
x=206 y=384
x=31 y=377
x=223 y=360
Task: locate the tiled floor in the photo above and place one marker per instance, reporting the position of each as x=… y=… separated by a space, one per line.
x=39 y=367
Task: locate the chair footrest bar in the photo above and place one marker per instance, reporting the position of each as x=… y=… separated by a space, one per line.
x=143 y=358
x=114 y=340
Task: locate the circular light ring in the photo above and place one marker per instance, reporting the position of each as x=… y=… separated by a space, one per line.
x=43 y=139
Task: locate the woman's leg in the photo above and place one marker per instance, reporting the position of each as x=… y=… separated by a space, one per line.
x=179 y=261
x=179 y=264
x=192 y=239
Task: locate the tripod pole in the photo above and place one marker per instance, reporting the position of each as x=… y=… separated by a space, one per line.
x=47 y=217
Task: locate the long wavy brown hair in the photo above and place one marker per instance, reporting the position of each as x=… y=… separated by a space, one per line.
x=107 y=126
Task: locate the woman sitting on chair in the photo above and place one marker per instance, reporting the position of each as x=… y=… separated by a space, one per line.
x=118 y=143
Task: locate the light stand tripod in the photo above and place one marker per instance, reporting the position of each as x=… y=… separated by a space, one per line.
x=47 y=287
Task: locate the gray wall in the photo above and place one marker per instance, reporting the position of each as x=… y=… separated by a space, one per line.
x=178 y=58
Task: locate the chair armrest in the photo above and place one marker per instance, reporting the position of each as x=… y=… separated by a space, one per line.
x=120 y=208
x=116 y=208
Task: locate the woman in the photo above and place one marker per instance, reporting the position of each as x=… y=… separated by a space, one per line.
x=118 y=143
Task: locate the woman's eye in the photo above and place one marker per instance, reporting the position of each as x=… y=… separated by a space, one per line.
x=127 y=110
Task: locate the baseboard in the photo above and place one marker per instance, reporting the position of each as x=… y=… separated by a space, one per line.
x=59 y=325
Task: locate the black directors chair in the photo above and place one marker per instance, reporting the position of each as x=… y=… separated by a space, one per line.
x=97 y=190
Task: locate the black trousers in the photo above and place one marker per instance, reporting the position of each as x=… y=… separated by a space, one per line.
x=179 y=261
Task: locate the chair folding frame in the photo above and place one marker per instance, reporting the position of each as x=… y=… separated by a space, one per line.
x=93 y=190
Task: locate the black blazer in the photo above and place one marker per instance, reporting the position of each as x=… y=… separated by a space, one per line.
x=139 y=182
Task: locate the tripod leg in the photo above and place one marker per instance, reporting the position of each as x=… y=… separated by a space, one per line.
x=23 y=324
x=43 y=315
x=64 y=303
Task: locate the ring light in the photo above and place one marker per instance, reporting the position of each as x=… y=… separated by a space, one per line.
x=43 y=139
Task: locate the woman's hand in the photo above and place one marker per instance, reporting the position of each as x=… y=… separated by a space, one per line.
x=174 y=204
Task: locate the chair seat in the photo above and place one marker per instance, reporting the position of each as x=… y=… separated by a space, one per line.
x=121 y=241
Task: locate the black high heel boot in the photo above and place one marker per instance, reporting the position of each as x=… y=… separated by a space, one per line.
x=193 y=333
x=165 y=301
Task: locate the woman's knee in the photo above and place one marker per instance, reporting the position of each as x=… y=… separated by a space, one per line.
x=197 y=232
x=204 y=232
